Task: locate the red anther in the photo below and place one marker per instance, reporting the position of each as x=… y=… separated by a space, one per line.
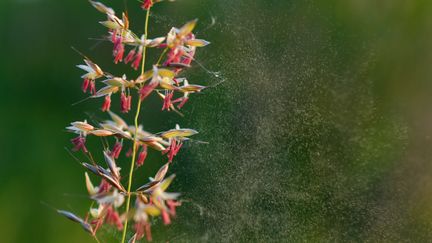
x=147 y=4
x=115 y=153
x=85 y=85
x=79 y=144
x=130 y=56
x=107 y=103
x=146 y=90
x=142 y=156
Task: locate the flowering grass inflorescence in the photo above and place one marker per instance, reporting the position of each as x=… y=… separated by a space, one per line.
x=111 y=198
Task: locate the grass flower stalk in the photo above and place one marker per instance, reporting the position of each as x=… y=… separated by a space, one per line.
x=111 y=200
x=136 y=131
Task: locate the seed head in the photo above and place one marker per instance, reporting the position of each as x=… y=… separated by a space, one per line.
x=151 y=199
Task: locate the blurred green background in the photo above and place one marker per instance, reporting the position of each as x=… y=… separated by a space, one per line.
x=320 y=131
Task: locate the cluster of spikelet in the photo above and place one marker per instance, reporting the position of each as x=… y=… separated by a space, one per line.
x=114 y=203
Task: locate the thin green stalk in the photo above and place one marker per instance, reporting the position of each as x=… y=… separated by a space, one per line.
x=162 y=55
x=96 y=239
x=134 y=151
x=145 y=36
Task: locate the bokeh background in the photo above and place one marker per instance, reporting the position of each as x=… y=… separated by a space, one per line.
x=320 y=130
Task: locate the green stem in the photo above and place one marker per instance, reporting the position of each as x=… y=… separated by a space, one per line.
x=96 y=239
x=134 y=151
x=162 y=55
x=145 y=36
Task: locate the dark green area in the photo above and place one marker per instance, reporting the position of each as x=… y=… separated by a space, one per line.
x=320 y=132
